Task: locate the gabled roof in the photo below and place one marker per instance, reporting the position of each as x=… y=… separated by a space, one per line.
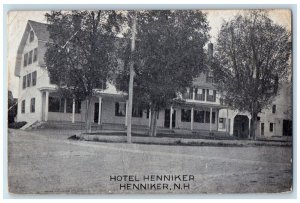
x=42 y=34
x=40 y=30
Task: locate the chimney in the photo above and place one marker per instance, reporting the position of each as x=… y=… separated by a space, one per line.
x=210 y=50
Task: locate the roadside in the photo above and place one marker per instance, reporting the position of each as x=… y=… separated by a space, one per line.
x=177 y=140
x=163 y=138
x=46 y=162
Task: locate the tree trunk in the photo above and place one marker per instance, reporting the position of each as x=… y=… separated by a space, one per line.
x=151 y=122
x=88 y=127
x=253 y=126
x=152 y=130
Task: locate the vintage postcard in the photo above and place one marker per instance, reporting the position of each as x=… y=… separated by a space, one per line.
x=150 y=101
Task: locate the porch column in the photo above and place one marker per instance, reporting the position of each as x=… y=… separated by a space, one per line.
x=149 y=117
x=192 y=118
x=99 y=111
x=227 y=122
x=46 y=106
x=171 y=112
x=249 y=118
x=210 y=119
x=193 y=89
x=73 y=111
x=65 y=105
x=217 y=117
x=126 y=113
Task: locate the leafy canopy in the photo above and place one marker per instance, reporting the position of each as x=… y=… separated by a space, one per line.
x=79 y=56
x=169 y=54
x=252 y=58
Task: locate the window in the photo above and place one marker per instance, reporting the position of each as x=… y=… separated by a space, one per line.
x=188 y=94
x=25 y=59
x=28 y=80
x=30 y=57
x=185 y=115
x=120 y=109
x=274 y=108
x=77 y=106
x=200 y=94
x=222 y=122
x=32 y=105
x=34 y=78
x=211 y=95
x=199 y=116
x=271 y=127
x=137 y=112
x=56 y=104
x=207 y=116
x=35 y=54
x=31 y=36
x=24 y=82
x=69 y=107
x=53 y=104
x=62 y=105
x=23 y=107
x=213 y=117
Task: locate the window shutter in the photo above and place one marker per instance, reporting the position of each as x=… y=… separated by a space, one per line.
x=25 y=59
x=24 y=81
x=35 y=54
x=34 y=78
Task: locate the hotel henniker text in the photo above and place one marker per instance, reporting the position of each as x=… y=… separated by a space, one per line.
x=153 y=182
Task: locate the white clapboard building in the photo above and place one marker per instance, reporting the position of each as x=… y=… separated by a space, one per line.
x=38 y=100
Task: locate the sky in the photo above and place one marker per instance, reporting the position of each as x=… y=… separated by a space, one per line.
x=17 y=20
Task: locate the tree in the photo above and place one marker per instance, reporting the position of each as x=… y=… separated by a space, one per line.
x=79 y=56
x=168 y=55
x=252 y=58
x=12 y=108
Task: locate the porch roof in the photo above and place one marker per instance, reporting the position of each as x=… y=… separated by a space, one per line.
x=109 y=92
x=197 y=105
x=50 y=88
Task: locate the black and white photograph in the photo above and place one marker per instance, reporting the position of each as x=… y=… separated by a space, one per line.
x=161 y=101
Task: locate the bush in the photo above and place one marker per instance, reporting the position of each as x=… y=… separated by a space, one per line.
x=17 y=125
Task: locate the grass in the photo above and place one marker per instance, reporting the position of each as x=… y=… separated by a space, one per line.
x=95 y=138
x=172 y=135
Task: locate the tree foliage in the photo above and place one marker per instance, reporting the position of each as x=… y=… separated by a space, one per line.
x=169 y=54
x=252 y=58
x=12 y=107
x=79 y=56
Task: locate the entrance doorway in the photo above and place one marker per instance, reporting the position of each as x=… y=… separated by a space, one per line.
x=287 y=128
x=167 y=118
x=262 y=129
x=241 y=126
x=96 y=113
